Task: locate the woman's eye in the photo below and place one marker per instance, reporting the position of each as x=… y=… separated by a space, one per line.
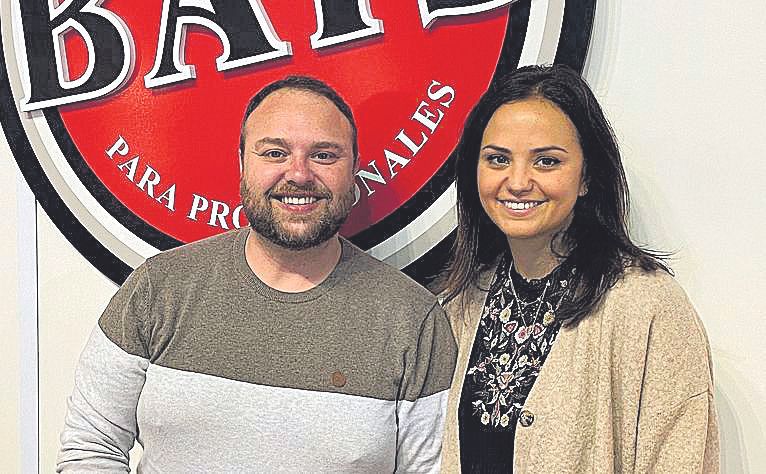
x=548 y=162
x=497 y=160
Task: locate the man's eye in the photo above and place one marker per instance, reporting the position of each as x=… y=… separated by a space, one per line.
x=324 y=156
x=273 y=154
x=548 y=162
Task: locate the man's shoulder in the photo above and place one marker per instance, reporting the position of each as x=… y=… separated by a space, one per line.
x=382 y=279
x=197 y=257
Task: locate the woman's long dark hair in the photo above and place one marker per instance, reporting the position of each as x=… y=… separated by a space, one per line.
x=597 y=240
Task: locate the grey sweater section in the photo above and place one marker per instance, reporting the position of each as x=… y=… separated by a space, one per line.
x=198 y=319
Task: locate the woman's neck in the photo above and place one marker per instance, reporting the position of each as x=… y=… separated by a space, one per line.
x=533 y=258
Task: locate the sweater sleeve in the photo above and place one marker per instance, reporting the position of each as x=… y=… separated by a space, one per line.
x=677 y=426
x=421 y=408
x=100 y=426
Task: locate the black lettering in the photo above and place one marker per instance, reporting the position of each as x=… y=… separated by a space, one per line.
x=109 y=47
x=242 y=26
x=430 y=10
x=340 y=21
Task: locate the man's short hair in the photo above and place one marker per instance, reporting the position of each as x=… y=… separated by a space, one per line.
x=303 y=83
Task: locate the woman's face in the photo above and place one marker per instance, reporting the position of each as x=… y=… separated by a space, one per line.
x=530 y=169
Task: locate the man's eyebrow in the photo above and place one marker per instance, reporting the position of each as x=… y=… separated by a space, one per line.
x=326 y=145
x=270 y=141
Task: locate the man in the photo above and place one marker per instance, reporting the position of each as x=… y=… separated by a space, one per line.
x=276 y=348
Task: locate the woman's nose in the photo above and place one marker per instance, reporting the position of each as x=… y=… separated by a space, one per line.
x=519 y=179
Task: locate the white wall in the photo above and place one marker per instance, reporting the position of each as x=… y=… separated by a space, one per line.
x=72 y=296
x=10 y=352
x=684 y=85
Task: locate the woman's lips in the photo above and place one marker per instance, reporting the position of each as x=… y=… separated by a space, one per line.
x=521 y=208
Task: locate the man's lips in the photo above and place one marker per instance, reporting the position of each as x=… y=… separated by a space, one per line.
x=297 y=205
x=300 y=202
x=297 y=200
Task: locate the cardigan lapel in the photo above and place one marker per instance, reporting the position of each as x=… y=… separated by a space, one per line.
x=465 y=314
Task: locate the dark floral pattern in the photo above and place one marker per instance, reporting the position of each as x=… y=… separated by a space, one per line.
x=511 y=346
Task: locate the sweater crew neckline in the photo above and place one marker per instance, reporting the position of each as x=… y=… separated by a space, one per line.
x=252 y=280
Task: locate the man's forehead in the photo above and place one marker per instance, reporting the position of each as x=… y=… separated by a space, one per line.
x=303 y=111
x=277 y=100
x=286 y=143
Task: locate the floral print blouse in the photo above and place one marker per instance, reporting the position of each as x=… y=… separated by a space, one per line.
x=513 y=339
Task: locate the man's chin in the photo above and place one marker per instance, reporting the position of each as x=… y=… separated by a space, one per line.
x=296 y=232
x=298 y=243
x=296 y=239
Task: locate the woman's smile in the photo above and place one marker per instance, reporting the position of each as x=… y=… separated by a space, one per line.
x=530 y=169
x=520 y=205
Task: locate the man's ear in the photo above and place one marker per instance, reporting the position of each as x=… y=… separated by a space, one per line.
x=241 y=161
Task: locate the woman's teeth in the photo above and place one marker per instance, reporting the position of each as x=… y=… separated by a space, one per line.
x=520 y=206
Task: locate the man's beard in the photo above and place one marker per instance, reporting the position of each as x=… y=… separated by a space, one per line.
x=318 y=227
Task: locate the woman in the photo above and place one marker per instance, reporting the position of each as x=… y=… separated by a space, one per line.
x=578 y=350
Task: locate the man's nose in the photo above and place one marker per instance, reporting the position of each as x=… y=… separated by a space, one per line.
x=299 y=170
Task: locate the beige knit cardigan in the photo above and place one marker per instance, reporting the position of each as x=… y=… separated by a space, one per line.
x=628 y=389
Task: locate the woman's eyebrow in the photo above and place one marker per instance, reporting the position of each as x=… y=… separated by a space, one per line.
x=549 y=148
x=496 y=148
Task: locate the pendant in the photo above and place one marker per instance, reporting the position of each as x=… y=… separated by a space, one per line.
x=549 y=317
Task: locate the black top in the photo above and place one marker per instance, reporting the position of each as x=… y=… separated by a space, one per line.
x=512 y=341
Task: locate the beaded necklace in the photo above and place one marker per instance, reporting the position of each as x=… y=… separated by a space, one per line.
x=551 y=313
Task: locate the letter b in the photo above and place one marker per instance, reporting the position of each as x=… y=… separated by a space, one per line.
x=108 y=42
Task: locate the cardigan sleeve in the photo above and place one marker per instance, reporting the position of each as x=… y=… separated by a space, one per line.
x=681 y=439
x=677 y=425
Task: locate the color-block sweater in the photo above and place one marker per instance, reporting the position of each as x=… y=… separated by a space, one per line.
x=211 y=370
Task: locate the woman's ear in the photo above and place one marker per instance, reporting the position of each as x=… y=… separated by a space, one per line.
x=583 y=189
x=584 y=178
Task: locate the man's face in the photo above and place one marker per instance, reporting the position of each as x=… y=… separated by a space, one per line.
x=297 y=182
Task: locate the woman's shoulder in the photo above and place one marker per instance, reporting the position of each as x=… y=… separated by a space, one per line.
x=465 y=306
x=652 y=302
x=647 y=318
x=647 y=287
x=476 y=288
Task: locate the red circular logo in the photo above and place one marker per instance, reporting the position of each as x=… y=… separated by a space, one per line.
x=128 y=118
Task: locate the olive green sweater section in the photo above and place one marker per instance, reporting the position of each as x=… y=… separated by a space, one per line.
x=199 y=308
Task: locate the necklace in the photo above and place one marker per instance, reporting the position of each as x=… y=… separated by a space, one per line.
x=540 y=299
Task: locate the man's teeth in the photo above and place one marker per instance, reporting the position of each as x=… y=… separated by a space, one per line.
x=520 y=206
x=298 y=200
